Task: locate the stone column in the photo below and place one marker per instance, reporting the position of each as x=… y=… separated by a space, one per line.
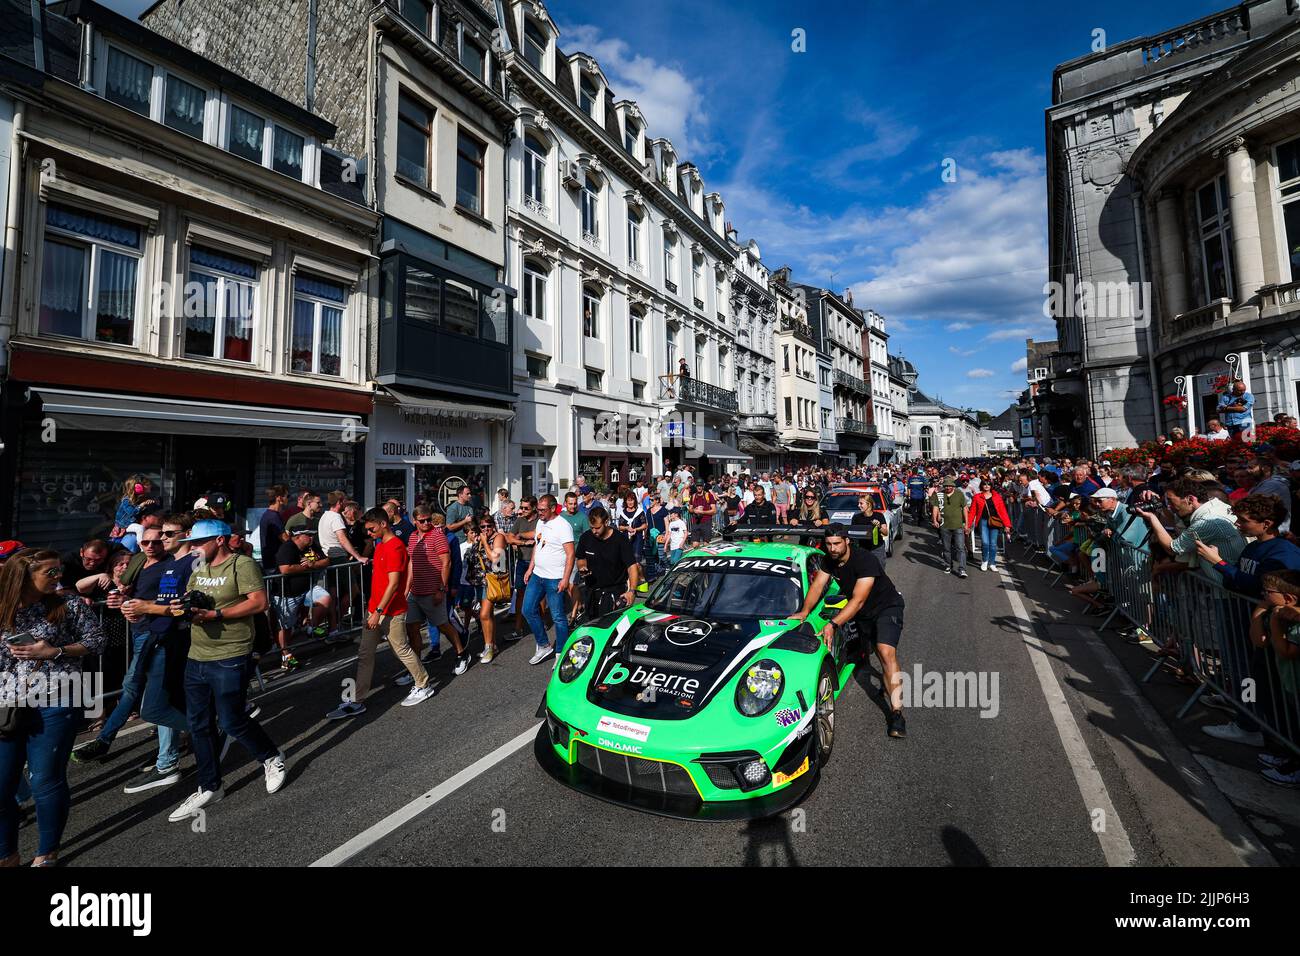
x=1173 y=272
x=1248 y=256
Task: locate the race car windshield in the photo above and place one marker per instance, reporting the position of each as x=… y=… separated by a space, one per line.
x=712 y=594
x=848 y=501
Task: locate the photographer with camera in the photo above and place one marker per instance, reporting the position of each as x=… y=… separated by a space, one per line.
x=227 y=590
x=608 y=566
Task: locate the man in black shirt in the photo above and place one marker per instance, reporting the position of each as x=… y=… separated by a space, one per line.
x=760 y=513
x=607 y=564
x=874 y=606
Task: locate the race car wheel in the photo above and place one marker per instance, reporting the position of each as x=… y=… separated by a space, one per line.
x=824 y=722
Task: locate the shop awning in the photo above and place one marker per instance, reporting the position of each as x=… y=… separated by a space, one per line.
x=756 y=446
x=709 y=448
x=457 y=409
x=100 y=411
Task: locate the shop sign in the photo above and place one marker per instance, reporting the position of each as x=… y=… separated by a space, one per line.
x=420 y=435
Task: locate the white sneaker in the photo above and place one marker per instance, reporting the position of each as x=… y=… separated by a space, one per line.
x=275 y=773
x=993 y=566
x=1232 y=732
x=404 y=680
x=542 y=652
x=462 y=664
x=195 y=802
x=487 y=655
x=984 y=565
x=419 y=695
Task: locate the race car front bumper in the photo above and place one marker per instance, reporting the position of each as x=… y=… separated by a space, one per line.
x=705 y=786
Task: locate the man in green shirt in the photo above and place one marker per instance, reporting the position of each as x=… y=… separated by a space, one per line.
x=230 y=593
x=948 y=511
x=577 y=519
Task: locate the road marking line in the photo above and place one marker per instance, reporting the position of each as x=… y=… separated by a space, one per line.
x=371 y=836
x=1114 y=839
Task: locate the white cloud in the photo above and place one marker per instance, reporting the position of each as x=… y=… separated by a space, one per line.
x=671 y=102
x=964 y=353
x=1020 y=364
x=958 y=326
x=1019 y=332
x=981 y=373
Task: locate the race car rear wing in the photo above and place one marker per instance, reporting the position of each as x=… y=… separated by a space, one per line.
x=743 y=532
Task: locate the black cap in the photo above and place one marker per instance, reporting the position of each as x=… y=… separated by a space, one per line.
x=836 y=530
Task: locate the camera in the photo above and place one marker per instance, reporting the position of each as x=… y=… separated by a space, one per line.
x=195 y=601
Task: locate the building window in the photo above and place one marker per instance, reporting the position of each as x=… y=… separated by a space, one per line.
x=535 y=44
x=631 y=133
x=184 y=106
x=595 y=380
x=89 y=276
x=636 y=330
x=699 y=358
x=317 y=325
x=1216 y=238
x=535 y=153
x=697 y=280
x=588 y=93
x=788 y=419
x=670 y=350
x=287 y=158
x=246 y=135
x=590 y=208
x=785 y=357
x=462 y=311
x=419 y=13
x=670 y=262
x=634 y=236
x=414 y=136
x=638 y=390
x=1288 y=175
x=469 y=173
x=220 y=306
x=591 y=312
x=423 y=296
x=927 y=441
x=534 y=290
x=538 y=366
x=473 y=57
x=128 y=81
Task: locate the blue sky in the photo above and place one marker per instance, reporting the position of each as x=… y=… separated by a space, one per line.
x=832 y=158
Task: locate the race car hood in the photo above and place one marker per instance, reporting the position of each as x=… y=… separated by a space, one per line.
x=668 y=668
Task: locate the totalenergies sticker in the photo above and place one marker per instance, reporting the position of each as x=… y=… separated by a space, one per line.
x=781 y=779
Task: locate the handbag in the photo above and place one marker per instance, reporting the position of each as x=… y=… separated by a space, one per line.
x=995 y=522
x=497 y=584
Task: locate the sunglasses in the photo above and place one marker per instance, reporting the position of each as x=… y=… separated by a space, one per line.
x=424 y=521
x=171 y=534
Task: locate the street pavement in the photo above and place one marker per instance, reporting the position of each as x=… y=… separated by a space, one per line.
x=1069 y=771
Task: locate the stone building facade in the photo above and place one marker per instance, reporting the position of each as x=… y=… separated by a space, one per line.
x=1169 y=182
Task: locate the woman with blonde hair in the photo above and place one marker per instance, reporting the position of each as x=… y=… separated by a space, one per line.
x=488 y=552
x=45 y=636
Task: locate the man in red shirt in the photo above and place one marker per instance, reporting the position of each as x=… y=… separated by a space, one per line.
x=426 y=603
x=703 y=507
x=390 y=571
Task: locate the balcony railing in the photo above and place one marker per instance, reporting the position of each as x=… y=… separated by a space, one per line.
x=851 y=381
x=695 y=392
x=1197 y=321
x=758 y=423
x=851 y=426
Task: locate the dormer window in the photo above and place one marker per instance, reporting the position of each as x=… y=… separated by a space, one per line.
x=631 y=133
x=246 y=134
x=288 y=153
x=473 y=56
x=128 y=81
x=535 y=44
x=419 y=13
x=184 y=107
x=588 y=95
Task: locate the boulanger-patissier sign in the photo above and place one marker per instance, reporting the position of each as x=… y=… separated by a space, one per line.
x=417 y=435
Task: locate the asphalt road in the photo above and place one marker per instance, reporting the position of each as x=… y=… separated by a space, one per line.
x=1024 y=786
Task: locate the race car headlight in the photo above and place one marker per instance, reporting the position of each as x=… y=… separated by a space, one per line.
x=759 y=688
x=575 y=658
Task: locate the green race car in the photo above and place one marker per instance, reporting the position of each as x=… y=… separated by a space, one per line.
x=705 y=700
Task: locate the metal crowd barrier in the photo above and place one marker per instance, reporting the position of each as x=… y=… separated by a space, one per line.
x=347 y=584
x=1200 y=626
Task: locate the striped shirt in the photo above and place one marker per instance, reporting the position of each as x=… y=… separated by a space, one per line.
x=1211 y=523
x=427 y=549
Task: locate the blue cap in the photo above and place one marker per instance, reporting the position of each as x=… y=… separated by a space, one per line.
x=206 y=529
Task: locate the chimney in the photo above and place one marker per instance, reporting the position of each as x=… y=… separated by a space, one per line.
x=848 y=296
